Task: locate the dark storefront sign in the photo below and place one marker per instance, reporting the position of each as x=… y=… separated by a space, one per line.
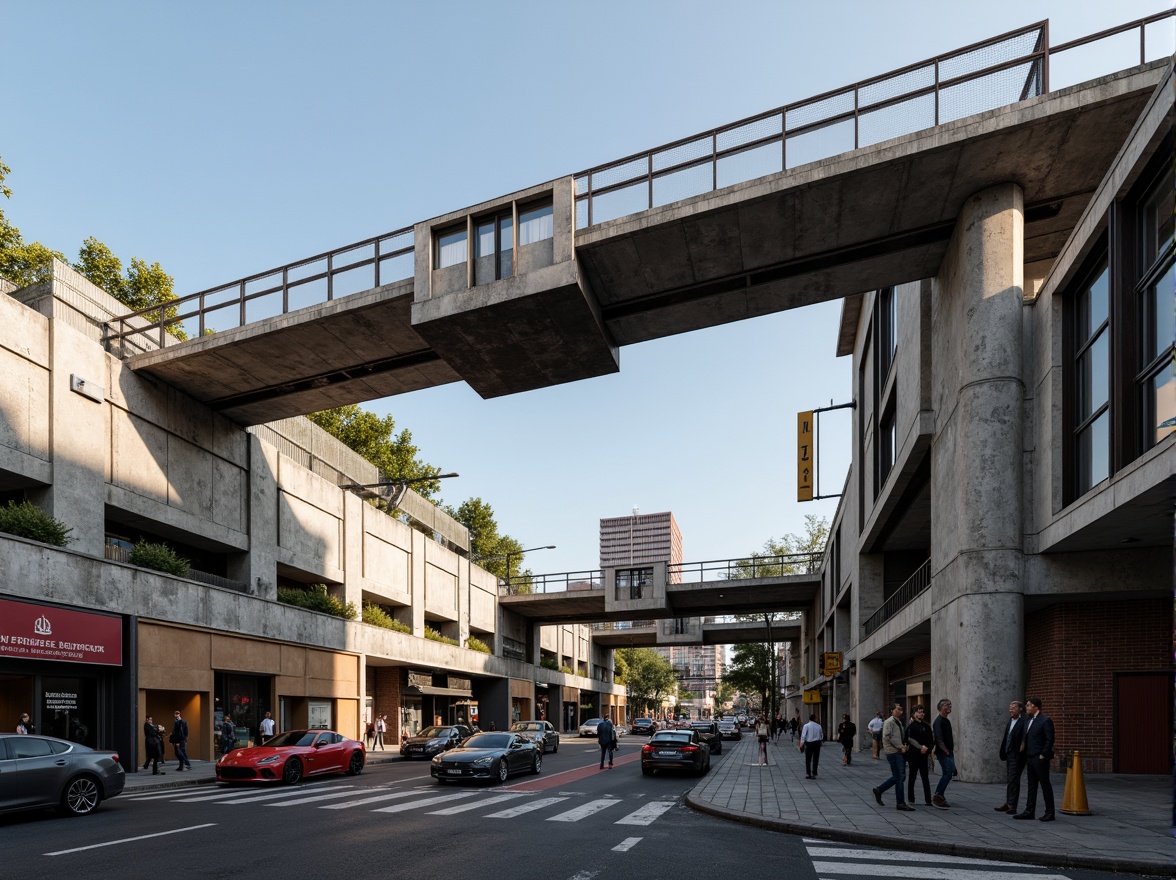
x=39 y=632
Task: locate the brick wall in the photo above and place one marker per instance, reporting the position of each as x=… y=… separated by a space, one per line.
x=1073 y=653
x=384 y=689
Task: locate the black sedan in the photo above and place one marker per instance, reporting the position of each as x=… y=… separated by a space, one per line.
x=43 y=771
x=708 y=732
x=675 y=750
x=541 y=732
x=490 y=756
x=643 y=727
x=438 y=738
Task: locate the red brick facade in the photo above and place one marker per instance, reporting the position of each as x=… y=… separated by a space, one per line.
x=1074 y=651
x=383 y=686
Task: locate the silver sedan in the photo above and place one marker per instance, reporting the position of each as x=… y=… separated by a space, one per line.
x=43 y=771
x=542 y=733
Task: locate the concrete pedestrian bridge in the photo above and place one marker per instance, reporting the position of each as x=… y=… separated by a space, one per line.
x=838 y=194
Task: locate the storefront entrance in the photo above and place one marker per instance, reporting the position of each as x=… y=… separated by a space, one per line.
x=65 y=706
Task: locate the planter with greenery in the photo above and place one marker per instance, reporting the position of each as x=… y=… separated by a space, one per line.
x=433 y=636
x=377 y=616
x=316 y=598
x=476 y=644
x=159 y=557
x=548 y=663
x=26 y=520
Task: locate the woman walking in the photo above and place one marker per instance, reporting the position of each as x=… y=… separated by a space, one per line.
x=763 y=733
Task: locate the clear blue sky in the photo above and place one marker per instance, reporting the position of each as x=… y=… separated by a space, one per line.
x=222 y=139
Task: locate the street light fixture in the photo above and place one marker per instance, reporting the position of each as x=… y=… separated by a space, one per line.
x=511 y=555
x=393 y=498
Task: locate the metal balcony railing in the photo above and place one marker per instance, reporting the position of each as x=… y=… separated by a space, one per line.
x=912 y=587
x=983 y=76
x=744 y=568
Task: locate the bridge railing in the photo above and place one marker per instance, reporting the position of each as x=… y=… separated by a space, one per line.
x=563 y=582
x=744 y=567
x=982 y=76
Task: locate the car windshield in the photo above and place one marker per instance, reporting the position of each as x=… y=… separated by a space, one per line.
x=671 y=737
x=292 y=738
x=592 y=721
x=489 y=741
x=521 y=726
x=701 y=725
x=436 y=731
x=643 y=721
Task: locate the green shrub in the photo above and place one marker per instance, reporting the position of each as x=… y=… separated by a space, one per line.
x=316 y=598
x=377 y=616
x=26 y=520
x=433 y=636
x=548 y=663
x=476 y=644
x=159 y=557
x=567 y=670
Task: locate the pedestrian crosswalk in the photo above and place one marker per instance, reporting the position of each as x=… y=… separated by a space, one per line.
x=391 y=798
x=834 y=861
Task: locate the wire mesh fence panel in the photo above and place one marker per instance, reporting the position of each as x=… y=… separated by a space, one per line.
x=1092 y=60
x=1008 y=49
x=988 y=92
x=750 y=164
x=899 y=84
x=352 y=281
x=818 y=111
x=221 y=318
x=618 y=203
x=266 y=306
x=896 y=120
x=749 y=132
x=820 y=143
x=581 y=185
x=1159 y=40
x=307 y=269
x=683 y=184
x=620 y=173
x=582 y=213
x=263 y=282
x=698 y=148
x=396 y=268
x=306 y=293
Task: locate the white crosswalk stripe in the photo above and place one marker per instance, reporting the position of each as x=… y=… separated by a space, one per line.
x=392 y=796
x=647 y=814
x=312 y=798
x=832 y=862
x=857 y=869
x=462 y=808
x=254 y=798
x=882 y=855
x=581 y=812
x=526 y=808
x=427 y=802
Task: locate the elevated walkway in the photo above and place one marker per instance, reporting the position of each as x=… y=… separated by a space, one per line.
x=692 y=631
x=834 y=195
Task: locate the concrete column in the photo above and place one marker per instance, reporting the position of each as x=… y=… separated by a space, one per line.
x=259 y=567
x=353 y=531
x=977 y=618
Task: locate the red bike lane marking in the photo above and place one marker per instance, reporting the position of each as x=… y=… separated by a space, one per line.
x=563 y=778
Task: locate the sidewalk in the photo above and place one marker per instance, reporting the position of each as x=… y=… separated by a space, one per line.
x=1129 y=830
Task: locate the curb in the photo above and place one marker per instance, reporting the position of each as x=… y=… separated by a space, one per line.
x=1051 y=860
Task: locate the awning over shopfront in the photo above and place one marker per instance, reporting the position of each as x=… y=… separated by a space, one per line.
x=428 y=691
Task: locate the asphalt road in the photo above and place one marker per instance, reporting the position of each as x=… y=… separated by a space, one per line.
x=572 y=822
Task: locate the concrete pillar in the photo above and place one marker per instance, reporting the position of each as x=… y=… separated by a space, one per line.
x=353 y=531
x=977 y=618
x=259 y=567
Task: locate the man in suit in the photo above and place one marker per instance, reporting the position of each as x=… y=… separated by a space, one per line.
x=1037 y=746
x=606 y=735
x=179 y=739
x=1011 y=754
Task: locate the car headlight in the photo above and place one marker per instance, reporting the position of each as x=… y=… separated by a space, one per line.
x=484 y=762
x=272 y=759
x=437 y=760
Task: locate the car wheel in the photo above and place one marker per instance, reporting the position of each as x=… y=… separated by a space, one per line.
x=503 y=771
x=292 y=772
x=537 y=764
x=81 y=796
x=646 y=771
x=555 y=748
x=355 y=765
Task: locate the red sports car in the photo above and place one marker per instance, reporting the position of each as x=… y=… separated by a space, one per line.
x=291 y=755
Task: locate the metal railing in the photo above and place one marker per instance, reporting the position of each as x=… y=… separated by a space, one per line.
x=982 y=76
x=623 y=625
x=744 y=568
x=912 y=587
x=120 y=554
x=568 y=581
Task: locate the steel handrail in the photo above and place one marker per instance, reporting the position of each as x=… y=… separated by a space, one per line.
x=912 y=587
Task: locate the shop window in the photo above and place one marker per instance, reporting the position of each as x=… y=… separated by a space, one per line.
x=451 y=247
x=494 y=248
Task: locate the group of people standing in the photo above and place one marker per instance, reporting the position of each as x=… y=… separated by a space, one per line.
x=153 y=739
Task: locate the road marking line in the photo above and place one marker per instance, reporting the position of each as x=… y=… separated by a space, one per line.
x=627 y=844
x=647 y=814
x=586 y=810
x=583 y=875
x=526 y=808
x=920 y=873
x=247 y=793
x=309 y=799
x=896 y=856
x=400 y=808
x=253 y=798
x=461 y=808
x=62 y=852
x=396 y=795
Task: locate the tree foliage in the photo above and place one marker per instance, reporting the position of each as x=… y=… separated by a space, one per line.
x=648 y=676
x=375 y=438
x=497 y=553
x=751 y=670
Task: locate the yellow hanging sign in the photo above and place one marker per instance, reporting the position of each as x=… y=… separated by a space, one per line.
x=805 y=456
x=812 y=696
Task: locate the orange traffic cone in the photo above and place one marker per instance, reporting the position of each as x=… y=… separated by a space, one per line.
x=1074 y=797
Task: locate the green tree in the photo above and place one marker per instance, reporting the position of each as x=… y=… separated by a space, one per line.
x=724 y=695
x=499 y=554
x=374 y=438
x=751 y=670
x=20 y=262
x=98 y=263
x=649 y=678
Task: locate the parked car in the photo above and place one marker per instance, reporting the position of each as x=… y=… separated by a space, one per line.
x=643 y=727
x=43 y=771
x=292 y=755
x=588 y=728
x=491 y=756
x=675 y=750
x=708 y=732
x=541 y=732
x=730 y=729
x=438 y=738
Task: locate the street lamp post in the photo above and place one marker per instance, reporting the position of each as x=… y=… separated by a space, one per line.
x=511 y=555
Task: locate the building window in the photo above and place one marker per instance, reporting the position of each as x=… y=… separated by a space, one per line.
x=1092 y=417
x=632 y=582
x=887 y=332
x=451 y=247
x=1155 y=382
x=494 y=242
x=887 y=443
x=536 y=223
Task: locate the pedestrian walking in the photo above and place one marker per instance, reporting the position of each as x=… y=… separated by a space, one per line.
x=153 y=745
x=875 y=728
x=266 y=728
x=793 y=727
x=894 y=746
x=606 y=737
x=23 y=725
x=846 y=731
x=763 y=733
x=810 y=743
x=179 y=740
x=1038 y=746
x=920 y=743
x=1010 y=752
x=228 y=734
x=778 y=726
x=944 y=751
x=381 y=729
